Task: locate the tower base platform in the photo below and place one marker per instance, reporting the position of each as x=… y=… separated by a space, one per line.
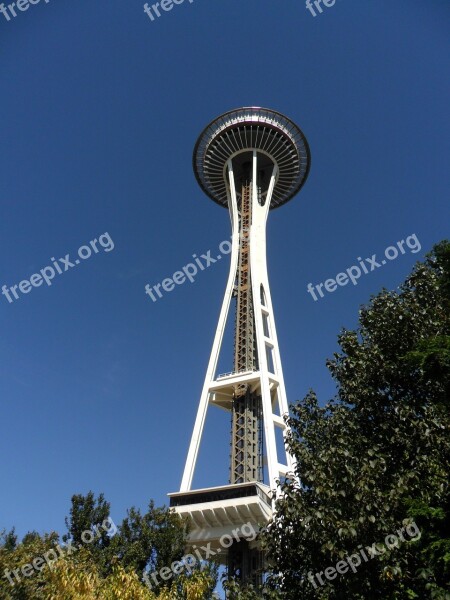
x=223 y=511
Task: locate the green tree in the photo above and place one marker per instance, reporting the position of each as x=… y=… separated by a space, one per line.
x=87 y=523
x=377 y=456
x=14 y=556
x=99 y=565
x=149 y=541
x=235 y=590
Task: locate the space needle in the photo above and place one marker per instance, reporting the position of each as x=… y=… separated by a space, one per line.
x=249 y=161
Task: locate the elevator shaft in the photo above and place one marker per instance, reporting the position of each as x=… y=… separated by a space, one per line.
x=246 y=434
x=244 y=340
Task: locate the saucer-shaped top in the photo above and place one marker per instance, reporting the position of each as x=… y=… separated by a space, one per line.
x=246 y=129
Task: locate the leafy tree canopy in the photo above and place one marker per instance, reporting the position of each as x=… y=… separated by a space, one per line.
x=377 y=456
x=100 y=560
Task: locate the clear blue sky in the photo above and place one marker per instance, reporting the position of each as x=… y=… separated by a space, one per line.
x=101 y=108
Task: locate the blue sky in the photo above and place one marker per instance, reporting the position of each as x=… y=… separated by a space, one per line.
x=101 y=108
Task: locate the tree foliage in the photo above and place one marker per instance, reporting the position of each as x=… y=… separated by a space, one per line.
x=106 y=567
x=149 y=541
x=88 y=515
x=377 y=456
